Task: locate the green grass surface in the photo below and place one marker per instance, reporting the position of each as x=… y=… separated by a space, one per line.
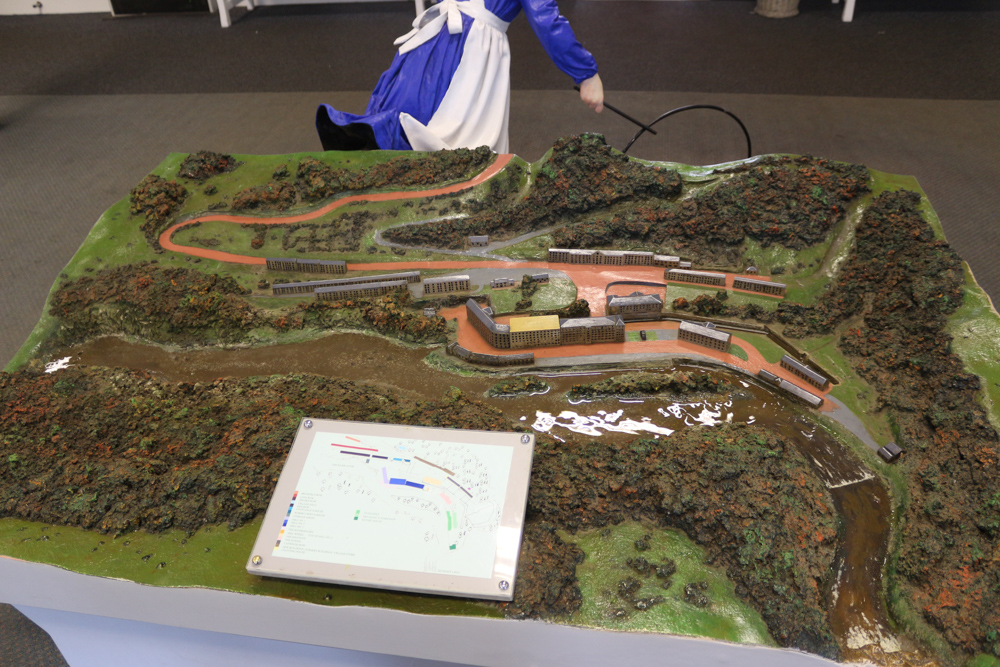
x=535 y=248
x=975 y=328
x=771 y=351
x=690 y=292
x=726 y=617
x=634 y=337
x=558 y=293
x=851 y=390
x=738 y=352
x=765 y=259
x=503 y=298
x=213 y=557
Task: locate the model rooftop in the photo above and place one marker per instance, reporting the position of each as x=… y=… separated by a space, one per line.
x=803 y=371
x=708 y=332
x=600 y=321
x=540 y=323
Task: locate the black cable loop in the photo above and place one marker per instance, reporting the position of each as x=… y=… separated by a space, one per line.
x=644 y=128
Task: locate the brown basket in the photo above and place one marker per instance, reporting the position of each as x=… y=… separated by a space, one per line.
x=777 y=9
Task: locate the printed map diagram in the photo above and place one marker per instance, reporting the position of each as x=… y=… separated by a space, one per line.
x=414 y=505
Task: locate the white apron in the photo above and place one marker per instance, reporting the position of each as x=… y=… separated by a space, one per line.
x=476 y=108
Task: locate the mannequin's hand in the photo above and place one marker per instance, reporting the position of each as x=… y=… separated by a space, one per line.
x=592 y=93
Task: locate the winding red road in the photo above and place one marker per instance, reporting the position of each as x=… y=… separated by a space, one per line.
x=496 y=167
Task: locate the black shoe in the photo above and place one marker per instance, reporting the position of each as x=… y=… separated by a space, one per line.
x=352 y=137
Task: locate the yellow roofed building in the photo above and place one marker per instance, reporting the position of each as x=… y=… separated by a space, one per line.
x=534 y=331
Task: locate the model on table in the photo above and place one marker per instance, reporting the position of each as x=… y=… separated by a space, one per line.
x=449 y=83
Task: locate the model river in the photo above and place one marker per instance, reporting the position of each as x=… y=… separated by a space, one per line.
x=856 y=603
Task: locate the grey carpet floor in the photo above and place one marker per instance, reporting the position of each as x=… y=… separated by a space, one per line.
x=24 y=644
x=717 y=46
x=65 y=159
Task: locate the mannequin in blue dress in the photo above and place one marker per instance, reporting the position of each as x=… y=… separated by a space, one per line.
x=449 y=86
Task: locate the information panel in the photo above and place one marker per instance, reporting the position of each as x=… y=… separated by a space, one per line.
x=411 y=508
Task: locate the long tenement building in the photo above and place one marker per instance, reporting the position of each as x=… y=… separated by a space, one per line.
x=446 y=284
x=614 y=258
x=706 y=336
x=310 y=265
x=342 y=292
x=762 y=286
x=796 y=367
x=634 y=306
x=700 y=277
x=544 y=330
x=310 y=286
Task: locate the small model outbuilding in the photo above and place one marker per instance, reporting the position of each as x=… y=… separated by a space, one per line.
x=634 y=306
x=890 y=452
x=809 y=375
x=706 y=336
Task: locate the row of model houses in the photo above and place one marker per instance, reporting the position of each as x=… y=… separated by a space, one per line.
x=798 y=369
x=510 y=282
x=675 y=269
x=719 y=280
x=366 y=286
x=615 y=258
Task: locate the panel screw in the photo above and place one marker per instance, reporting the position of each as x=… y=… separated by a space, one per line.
x=308 y=423
x=504 y=585
x=256 y=560
x=525 y=439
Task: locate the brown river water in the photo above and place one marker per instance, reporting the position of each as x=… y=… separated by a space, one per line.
x=857 y=609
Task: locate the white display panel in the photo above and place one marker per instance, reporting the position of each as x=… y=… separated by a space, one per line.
x=405 y=507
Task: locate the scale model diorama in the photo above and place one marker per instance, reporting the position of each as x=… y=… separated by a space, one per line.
x=762 y=393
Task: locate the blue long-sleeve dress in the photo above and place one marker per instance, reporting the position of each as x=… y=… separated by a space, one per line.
x=449 y=84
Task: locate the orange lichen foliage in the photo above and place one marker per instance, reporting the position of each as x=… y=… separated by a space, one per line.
x=582 y=174
x=790 y=201
x=745 y=495
x=177 y=455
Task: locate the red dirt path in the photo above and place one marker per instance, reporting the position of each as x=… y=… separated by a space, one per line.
x=496 y=167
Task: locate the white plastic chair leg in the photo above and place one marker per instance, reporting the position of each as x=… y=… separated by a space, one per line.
x=223 y=7
x=848 y=14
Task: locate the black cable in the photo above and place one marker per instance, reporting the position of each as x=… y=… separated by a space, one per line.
x=688 y=108
x=624 y=115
